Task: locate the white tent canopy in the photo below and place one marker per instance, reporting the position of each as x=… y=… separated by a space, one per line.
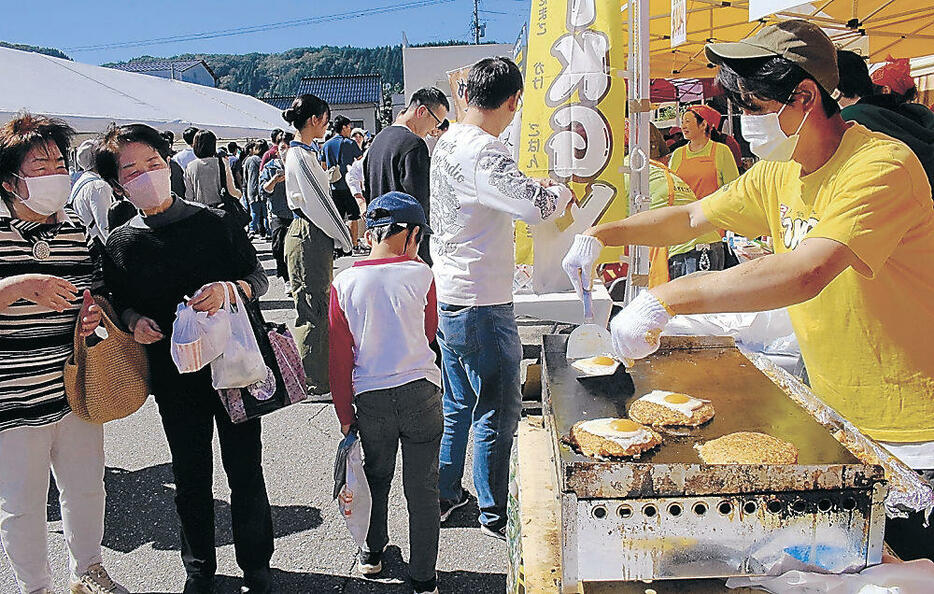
x=89 y=98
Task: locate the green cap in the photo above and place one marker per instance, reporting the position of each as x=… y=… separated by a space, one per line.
x=799 y=42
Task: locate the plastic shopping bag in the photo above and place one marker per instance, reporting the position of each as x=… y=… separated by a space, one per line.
x=913 y=577
x=241 y=362
x=351 y=491
x=197 y=338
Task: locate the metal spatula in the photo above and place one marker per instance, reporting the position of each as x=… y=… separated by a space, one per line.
x=589 y=339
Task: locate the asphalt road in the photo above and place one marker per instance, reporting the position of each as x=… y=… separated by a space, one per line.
x=314 y=552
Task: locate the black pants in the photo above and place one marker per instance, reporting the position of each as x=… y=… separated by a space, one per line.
x=409 y=415
x=190 y=408
x=908 y=537
x=280 y=227
x=346 y=204
x=699 y=259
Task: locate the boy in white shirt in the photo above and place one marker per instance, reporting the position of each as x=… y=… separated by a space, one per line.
x=476 y=193
x=382 y=314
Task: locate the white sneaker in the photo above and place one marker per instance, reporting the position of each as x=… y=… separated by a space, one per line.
x=97 y=581
x=369 y=563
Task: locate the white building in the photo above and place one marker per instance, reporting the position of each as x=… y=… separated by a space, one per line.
x=428 y=66
x=193 y=71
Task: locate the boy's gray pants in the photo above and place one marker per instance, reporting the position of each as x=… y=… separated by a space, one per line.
x=411 y=415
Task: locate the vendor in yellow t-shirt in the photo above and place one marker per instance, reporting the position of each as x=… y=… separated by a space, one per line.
x=850 y=214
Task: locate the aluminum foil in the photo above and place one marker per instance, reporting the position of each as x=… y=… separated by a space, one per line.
x=908 y=492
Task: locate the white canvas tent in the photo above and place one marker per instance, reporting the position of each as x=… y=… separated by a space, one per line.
x=89 y=98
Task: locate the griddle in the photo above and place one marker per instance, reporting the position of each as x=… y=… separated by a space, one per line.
x=667 y=514
x=744 y=399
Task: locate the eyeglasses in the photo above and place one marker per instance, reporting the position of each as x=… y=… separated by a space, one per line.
x=442 y=124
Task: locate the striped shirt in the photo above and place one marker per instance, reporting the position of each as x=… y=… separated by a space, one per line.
x=34 y=340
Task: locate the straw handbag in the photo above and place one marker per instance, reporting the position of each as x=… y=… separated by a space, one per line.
x=109 y=380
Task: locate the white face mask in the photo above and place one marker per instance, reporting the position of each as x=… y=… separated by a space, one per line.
x=766 y=138
x=150 y=189
x=48 y=194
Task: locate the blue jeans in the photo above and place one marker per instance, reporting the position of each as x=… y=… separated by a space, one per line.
x=480 y=353
x=258 y=224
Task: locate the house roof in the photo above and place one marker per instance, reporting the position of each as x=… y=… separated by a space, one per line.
x=344 y=90
x=156 y=65
x=278 y=101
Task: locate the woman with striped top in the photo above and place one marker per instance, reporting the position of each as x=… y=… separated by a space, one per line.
x=317 y=230
x=45 y=268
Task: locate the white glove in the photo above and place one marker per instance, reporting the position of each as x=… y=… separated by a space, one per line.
x=580 y=261
x=636 y=329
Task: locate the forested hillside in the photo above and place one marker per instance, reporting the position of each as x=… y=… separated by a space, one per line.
x=278 y=74
x=261 y=74
x=49 y=51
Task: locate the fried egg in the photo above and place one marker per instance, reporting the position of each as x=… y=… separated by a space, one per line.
x=600 y=365
x=676 y=401
x=623 y=432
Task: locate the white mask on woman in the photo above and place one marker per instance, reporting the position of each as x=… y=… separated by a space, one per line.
x=766 y=138
x=148 y=190
x=48 y=194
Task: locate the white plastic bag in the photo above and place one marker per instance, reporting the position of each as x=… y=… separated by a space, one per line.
x=241 y=362
x=197 y=338
x=913 y=577
x=767 y=332
x=351 y=490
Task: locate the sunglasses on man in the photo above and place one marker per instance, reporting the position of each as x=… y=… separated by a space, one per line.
x=442 y=124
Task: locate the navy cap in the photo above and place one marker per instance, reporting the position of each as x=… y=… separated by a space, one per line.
x=396 y=207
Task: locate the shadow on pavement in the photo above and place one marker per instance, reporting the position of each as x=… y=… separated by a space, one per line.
x=141 y=510
x=287 y=582
x=392 y=580
x=464 y=517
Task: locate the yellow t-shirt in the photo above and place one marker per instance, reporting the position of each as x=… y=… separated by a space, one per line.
x=726 y=164
x=658 y=192
x=864 y=338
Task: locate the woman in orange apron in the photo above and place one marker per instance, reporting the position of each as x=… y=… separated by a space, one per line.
x=704 y=253
x=703 y=163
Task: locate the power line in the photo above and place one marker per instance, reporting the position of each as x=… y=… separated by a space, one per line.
x=345 y=16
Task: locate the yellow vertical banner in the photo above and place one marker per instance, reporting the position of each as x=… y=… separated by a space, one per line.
x=573 y=126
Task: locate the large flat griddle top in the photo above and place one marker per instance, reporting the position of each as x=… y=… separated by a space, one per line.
x=744 y=398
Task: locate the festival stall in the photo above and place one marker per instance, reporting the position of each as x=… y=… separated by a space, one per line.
x=667 y=521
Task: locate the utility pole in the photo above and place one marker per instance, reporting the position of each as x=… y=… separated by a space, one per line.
x=476 y=22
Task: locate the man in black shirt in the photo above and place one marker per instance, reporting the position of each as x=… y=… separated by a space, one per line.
x=398 y=160
x=342 y=151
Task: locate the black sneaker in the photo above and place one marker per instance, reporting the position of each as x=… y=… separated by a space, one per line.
x=499 y=533
x=199 y=585
x=449 y=505
x=370 y=563
x=257 y=582
x=426 y=587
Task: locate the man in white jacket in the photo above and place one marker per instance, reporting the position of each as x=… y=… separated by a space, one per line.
x=476 y=193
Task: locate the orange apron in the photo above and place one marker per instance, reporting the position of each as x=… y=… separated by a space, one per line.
x=658 y=256
x=700 y=173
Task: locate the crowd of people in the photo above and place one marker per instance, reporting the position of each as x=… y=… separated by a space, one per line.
x=417 y=342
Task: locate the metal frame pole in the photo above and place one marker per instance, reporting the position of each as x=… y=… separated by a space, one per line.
x=639 y=111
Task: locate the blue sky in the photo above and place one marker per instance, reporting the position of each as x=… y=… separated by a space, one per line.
x=72 y=24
